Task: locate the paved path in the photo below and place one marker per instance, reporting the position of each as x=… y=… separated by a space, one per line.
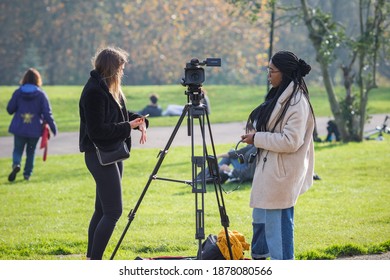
x=223 y=133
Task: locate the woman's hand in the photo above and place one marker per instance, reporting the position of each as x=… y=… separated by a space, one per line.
x=142 y=128
x=136 y=122
x=248 y=138
x=141 y=125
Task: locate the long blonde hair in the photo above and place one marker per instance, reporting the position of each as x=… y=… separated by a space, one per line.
x=109 y=63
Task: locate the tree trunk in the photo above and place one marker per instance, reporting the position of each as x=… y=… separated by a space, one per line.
x=334 y=103
x=316 y=38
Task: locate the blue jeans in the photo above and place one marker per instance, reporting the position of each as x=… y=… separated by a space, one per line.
x=19 y=143
x=273 y=233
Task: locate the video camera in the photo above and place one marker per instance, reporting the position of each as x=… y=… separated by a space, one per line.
x=194 y=73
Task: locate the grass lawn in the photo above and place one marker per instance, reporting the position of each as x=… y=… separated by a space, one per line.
x=346 y=212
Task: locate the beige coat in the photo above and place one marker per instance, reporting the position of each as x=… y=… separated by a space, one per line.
x=289 y=167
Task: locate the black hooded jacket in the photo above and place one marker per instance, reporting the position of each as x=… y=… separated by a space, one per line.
x=101 y=118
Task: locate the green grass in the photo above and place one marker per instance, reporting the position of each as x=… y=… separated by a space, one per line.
x=228 y=103
x=347 y=212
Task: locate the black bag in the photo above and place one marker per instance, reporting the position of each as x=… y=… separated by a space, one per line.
x=110 y=156
x=210 y=250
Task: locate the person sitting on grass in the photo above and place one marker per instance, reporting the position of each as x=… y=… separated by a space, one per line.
x=153 y=109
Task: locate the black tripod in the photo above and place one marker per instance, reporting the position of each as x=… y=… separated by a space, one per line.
x=194 y=110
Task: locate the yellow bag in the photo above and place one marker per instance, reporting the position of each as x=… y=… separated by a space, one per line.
x=237 y=242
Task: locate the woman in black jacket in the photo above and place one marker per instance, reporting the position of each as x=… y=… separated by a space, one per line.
x=105 y=121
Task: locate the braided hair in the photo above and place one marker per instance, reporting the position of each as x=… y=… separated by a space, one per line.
x=293 y=70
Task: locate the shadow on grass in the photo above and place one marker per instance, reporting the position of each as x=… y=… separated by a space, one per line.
x=226 y=188
x=328 y=145
x=41 y=249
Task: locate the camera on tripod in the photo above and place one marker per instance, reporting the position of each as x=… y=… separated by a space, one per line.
x=193 y=79
x=194 y=75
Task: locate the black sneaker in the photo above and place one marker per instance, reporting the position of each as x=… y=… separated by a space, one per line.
x=27 y=178
x=12 y=176
x=316 y=177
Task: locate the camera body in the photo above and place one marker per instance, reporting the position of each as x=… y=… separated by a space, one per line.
x=194 y=74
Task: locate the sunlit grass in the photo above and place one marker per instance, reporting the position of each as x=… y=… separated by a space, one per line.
x=47 y=218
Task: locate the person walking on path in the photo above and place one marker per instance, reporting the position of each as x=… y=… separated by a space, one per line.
x=285 y=165
x=31 y=109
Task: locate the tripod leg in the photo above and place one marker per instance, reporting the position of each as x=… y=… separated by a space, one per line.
x=162 y=154
x=199 y=190
x=214 y=169
x=218 y=188
x=198 y=187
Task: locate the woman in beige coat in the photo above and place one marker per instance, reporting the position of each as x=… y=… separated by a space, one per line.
x=285 y=162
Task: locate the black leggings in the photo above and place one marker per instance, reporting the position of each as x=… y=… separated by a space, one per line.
x=108 y=204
